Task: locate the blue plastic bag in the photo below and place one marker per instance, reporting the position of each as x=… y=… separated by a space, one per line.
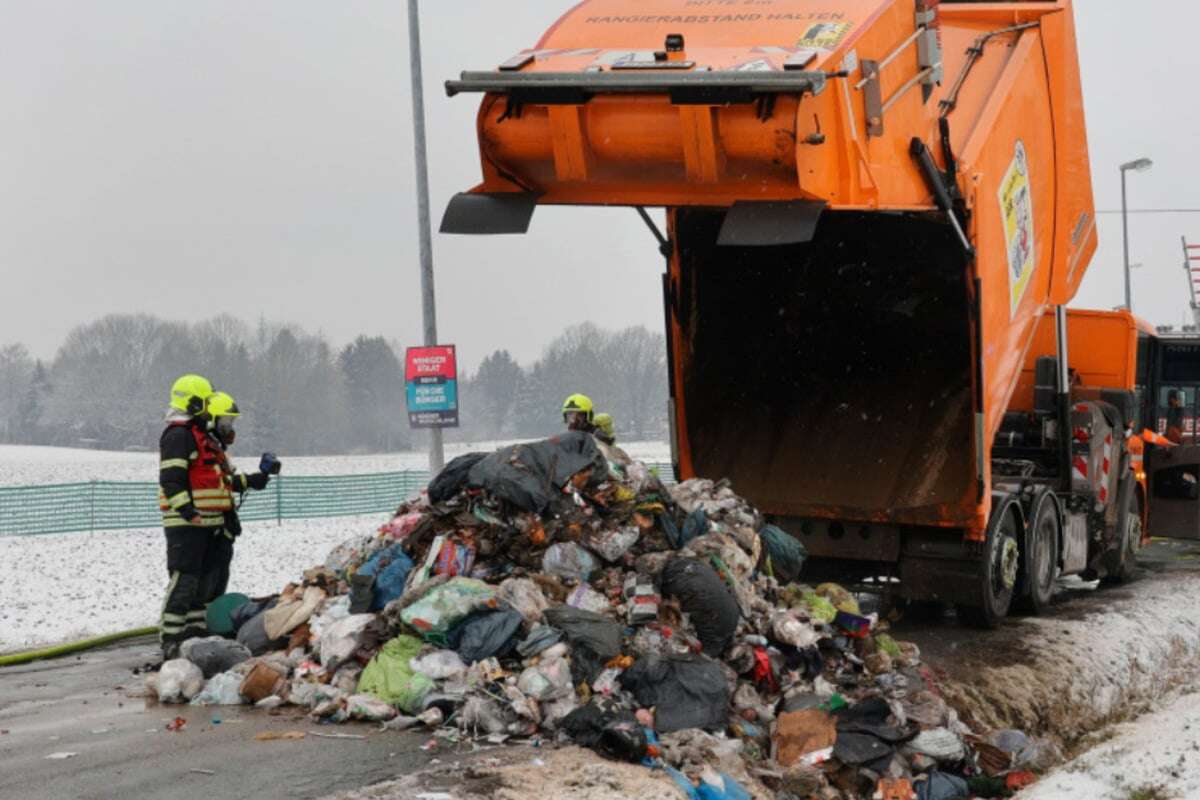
x=390 y=568
x=732 y=791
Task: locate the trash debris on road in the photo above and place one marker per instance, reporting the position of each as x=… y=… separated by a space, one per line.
x=60 y=756
x=559 y=590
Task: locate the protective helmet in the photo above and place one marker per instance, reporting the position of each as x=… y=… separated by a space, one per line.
x=579 y=404
x=604 y=424
x=189 y=394
x=220 y=404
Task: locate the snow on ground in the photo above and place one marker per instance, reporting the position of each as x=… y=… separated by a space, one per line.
x=22 y=465
x=1156 y=756
x=71 y=586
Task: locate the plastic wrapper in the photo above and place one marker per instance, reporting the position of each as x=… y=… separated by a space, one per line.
x=221 y=690
x=179 y=680
x=612 y=544
x=371 y=709
x=587 y=598
x=439 y=665
x=789 y=629
x=547 y=680
x=525 y=597
x=399 y=527
x=569 y=561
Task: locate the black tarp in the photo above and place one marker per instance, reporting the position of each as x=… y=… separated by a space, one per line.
x=531 y=476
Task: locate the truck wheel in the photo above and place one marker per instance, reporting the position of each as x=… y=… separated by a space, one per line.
x=1039 y=559
x=997 y=575
x=1120 y=562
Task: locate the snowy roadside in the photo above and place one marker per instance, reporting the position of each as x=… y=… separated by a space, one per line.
x=22 y=465
x=1155 y=757
x=69 y=586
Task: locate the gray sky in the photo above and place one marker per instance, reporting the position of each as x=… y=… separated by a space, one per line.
x=193 y=158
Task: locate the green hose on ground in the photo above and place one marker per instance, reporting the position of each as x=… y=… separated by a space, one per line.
x=72 y=647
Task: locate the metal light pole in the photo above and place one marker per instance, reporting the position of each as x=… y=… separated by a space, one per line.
x=1141 y=165
x=437 y=455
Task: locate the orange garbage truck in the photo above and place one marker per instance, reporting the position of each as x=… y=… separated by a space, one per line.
x=870 y=206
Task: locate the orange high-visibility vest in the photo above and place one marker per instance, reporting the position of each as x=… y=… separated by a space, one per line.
x=210 y=485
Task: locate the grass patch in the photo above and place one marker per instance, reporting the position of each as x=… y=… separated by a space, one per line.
x=1149 y=793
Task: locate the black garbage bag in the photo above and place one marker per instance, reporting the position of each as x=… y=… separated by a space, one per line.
x=687 y=690
x=248 y=611
x=942 y=786
x=531 y=476
x=254 y=636
x=214 y=654
x=587 y=723
x=594 y=640
x=624 y=741
x=485 y=634
x=706 y=599
x=453 y=477
x=864 y=736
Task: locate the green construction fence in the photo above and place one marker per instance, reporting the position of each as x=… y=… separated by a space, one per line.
x=111 y=506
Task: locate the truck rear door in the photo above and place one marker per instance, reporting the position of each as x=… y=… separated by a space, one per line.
x=1173 y=476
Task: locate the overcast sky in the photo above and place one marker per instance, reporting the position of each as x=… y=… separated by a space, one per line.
x=192 y=158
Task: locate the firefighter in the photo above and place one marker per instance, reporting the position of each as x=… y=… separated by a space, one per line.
x=223 y=412
x=604 y=429
x=193 y=497
x=579 y=413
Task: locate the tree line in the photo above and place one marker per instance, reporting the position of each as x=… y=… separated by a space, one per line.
x=108 y=384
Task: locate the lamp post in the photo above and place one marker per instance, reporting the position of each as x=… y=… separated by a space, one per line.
x=428 y=306
x=1140 y=165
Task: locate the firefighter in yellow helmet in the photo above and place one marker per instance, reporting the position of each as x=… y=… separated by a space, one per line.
x=223 y=412
x=604 y=429
x=579 y=413
x=192 y=498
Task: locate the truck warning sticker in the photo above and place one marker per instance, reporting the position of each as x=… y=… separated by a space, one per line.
x=825 y=35
x=1016 y=209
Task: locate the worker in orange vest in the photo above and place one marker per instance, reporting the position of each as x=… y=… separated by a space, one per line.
x=1175 y=416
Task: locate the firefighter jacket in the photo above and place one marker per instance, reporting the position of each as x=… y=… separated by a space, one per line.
x=193 y=479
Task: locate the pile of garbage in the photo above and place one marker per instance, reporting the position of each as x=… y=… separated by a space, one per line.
x=558 y=591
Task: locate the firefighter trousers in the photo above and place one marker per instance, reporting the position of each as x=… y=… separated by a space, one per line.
x=188 y=556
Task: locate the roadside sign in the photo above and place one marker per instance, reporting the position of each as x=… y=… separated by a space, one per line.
x=431 y=375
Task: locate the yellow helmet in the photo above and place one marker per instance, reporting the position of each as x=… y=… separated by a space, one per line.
x=604 y=424
x=189 y=394
x=221 y=404
x=579 y=403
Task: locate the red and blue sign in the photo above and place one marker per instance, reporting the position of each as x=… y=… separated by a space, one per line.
x=431 y=375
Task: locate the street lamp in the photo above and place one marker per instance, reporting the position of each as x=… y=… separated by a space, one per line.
x=1140 y=165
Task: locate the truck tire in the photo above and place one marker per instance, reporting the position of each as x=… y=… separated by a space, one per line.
x=1120 y=562
x=997 y=572
x=1039 y=557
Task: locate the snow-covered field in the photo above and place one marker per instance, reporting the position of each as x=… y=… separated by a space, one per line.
x=23 y=465
x=73 y=585
x=1156 y=756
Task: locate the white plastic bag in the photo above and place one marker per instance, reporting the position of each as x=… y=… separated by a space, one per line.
x=179 y=680
x=340 y=640
x=439 y=665
x=221 y=690
x=369 y=708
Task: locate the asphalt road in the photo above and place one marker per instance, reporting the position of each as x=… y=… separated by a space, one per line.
x=83 y=705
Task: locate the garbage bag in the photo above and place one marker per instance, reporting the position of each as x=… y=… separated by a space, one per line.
x=588 y=599
x=390 y=676
x=221 y=690
x=439 y=665
x=370 y=708
x=719 y=786
x=253 y=635
x=568 y=560
x=539 y=638
x=453 y=477
x=611 y=544
x=941 y=786
x=624 y=741
x=179 y=680
x=214 y=654
x=694 y=526
x=687 y=690
x=594 y=640
x=585 y=725
x=784 y=556
x=390 y=568
x=706 y=599
x=342 y=638
x=531 y=476
x=445 y=605
x=485 y=634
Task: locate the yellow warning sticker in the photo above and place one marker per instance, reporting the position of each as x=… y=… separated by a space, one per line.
x=825 y=35
x=1016 y=208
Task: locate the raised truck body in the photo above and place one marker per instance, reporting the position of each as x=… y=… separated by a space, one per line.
x=871 y=205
